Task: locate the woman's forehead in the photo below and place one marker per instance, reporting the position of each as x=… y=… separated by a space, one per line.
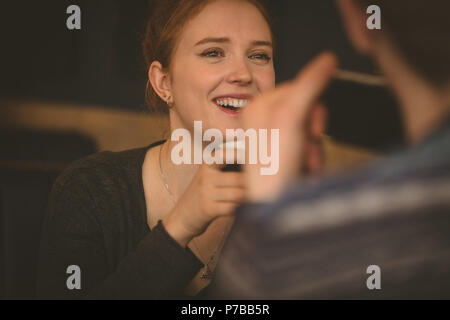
x=236 y=21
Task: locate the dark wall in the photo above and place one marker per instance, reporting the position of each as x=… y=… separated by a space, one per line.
x=102 y=63
x=99 y=64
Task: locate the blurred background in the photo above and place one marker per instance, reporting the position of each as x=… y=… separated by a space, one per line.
x=67 y=94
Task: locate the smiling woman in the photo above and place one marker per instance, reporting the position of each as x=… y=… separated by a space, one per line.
x=206 y=69
x=136 y=224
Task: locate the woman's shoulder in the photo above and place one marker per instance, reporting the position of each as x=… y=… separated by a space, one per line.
x=104 y=173
x=94 y=195
x=100 y=185
x=105 y=164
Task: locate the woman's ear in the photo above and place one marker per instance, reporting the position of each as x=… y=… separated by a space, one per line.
x=160 y=81
x=354 y=21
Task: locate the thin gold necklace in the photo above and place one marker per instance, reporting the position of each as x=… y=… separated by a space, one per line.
x=207 y=274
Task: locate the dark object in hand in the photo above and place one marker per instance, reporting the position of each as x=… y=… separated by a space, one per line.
x=234 y=167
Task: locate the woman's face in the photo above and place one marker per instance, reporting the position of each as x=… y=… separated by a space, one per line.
x=224 y=57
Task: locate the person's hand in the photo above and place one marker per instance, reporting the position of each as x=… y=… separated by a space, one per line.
x=293 y=109
x=211 y=194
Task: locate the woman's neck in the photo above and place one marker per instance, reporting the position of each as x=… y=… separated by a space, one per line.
x=179 y=176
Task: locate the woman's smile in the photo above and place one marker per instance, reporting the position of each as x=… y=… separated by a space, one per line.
x=232 y=104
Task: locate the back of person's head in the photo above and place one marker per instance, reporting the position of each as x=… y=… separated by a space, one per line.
x=420 y=31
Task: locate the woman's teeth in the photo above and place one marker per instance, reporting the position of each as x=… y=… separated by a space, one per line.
x=234 y=103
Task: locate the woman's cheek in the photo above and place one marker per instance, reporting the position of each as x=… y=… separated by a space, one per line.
x=267 y=83
x=265 y=78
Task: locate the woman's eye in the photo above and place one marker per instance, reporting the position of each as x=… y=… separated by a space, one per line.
x=212 y=53
x=260 y=56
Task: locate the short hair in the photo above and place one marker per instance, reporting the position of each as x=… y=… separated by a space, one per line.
x=420 y=31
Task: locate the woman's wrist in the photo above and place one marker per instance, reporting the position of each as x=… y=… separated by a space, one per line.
x=176 y=230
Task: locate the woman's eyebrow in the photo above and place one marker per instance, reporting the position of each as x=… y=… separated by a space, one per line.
x=227 y=40
x=207 y=40
x=262 y=43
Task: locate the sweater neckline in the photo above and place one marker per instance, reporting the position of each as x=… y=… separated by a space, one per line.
x=140 y=176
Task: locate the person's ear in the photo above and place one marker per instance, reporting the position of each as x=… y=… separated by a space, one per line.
x=160 y=81
x=354 y=20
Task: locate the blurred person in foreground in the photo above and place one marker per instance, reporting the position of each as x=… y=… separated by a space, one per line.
x=295 y=238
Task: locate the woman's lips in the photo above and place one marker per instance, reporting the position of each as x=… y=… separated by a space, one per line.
x=232 y=104
x=231 y=112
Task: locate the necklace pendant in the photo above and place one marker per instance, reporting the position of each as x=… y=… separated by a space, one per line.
x=207 y=274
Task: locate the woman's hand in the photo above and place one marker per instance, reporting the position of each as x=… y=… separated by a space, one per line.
x=211 y=194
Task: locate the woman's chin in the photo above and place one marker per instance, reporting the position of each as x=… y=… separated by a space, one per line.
x=230 y=125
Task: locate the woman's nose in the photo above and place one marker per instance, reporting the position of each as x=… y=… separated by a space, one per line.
x=240 y=73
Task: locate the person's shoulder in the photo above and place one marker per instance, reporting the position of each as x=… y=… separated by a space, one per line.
x=102 y=168
x=406 y=184
x=423 y=167
x=109 y=159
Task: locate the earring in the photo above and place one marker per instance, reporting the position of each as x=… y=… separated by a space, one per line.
x=169 y=104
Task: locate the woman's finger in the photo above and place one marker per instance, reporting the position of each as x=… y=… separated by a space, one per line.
x=228 y=194
x=226 y=208
x=230 y=179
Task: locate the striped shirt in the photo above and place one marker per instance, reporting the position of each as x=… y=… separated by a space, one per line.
x=319 y=239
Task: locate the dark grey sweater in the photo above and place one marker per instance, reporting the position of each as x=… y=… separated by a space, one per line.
x=96 y=219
